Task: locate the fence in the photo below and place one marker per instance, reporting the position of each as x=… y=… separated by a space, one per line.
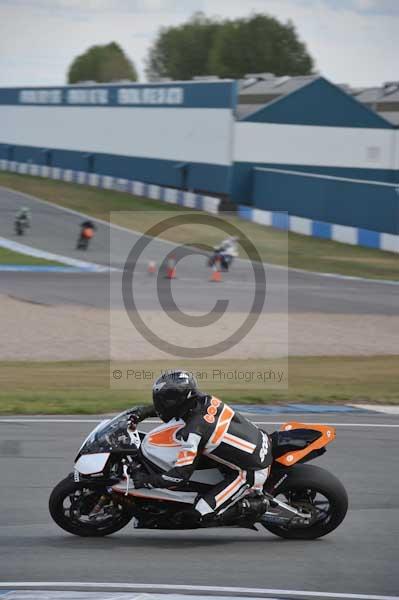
x=356 y=203
x=331 y=231
x=136 y=188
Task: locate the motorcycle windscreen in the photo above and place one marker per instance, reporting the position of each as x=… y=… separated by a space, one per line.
x=108 y=435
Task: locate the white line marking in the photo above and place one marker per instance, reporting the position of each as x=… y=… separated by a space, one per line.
x=386 y=409
x=51 y=256
x=49 y=421
x=325 y=422
x=330 y=423
x=189 y=588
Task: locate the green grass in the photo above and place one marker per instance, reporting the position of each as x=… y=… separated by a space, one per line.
x=8 y=257
x=83 y=387
x=303 y=252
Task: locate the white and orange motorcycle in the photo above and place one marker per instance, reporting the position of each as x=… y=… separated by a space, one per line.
x=98 y=498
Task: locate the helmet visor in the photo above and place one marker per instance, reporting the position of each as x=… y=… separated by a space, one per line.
x=166 y=403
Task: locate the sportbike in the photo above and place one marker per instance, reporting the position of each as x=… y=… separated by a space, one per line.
x=302 y=501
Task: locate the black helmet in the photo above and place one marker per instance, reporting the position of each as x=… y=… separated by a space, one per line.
x=174 y=394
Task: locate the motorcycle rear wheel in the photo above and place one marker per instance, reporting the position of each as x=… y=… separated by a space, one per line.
x=70 y=500
x=305 y=483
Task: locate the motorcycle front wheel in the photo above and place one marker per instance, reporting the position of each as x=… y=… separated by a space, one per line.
x=87 y=511
x=316 y=492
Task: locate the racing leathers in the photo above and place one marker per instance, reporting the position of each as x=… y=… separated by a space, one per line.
x=227 y=251
x=215 y=430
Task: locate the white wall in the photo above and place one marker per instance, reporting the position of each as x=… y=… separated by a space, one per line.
x=181 y=134
x=315 y=146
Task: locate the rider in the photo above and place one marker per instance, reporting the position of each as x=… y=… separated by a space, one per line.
x=87 y=229
x=23 y=214
x=228 y=249
x=212 y=429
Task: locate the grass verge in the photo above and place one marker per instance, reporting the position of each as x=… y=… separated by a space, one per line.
x=83 y=387
x=8 y=257
x=303 y=252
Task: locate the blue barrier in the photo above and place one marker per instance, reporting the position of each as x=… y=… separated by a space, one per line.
x=330 y=231
x=137 y=188
x=365 y=204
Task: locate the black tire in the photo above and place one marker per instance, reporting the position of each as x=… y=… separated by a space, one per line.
x=64 y=489
x=82 y=243
x=315 y=478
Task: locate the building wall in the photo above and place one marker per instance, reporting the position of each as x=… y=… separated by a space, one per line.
x=358 y=153
x=370 y=205
x=314 y=146
x=322 y=130
x=177 y=134
x=184 y=135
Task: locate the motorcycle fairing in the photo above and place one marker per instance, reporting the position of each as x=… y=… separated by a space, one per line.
x=89 y=464
x=327 y=435
x=161 y=447
x=157 y=494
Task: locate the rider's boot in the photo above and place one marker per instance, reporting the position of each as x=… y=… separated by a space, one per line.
x=189 y=518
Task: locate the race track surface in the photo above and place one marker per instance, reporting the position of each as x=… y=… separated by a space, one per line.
x=55 y=229
x=361 y=556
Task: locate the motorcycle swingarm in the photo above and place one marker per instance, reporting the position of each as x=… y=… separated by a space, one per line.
x=288 y=512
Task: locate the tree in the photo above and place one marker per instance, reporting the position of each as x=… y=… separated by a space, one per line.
x=230 y=48
x=258 y=44
x=102 y=64
x=182 y=52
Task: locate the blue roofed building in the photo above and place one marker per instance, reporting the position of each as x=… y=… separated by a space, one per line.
x=309 y=125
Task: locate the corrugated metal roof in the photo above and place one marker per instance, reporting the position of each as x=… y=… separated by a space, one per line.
x=392 y=117
x=392 y=97
x=369 y=95
x=278 y=86
x=256 y=92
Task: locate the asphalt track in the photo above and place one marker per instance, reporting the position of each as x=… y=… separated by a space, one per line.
x=360 y=557
x=55 y=229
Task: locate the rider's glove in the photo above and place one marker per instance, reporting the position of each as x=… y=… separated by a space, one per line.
x=139 y=413
x=134 y=419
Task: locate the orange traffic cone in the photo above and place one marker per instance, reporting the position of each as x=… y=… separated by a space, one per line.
x=171 y=268
x=216 y=272
x=152 y=268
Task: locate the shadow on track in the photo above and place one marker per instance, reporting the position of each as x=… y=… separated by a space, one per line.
x=177 y=542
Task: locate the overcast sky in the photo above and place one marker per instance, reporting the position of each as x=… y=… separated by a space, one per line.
x=352 y=41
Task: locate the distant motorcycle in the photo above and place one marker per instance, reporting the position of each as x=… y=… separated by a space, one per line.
x=85 y=235
x=21 y=225
x=223 y=261
x=303 y=502
x=224 y=254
